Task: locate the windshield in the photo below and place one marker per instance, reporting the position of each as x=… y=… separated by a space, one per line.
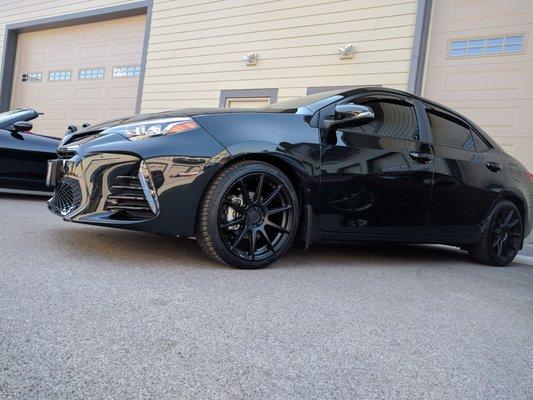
x=298 y=102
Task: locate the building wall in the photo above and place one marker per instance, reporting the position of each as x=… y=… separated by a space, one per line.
x=195 y=49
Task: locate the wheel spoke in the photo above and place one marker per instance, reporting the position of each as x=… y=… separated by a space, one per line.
x=512 y=223
x=277 y=227
x=245 y=194
x=253 y=240
x=233 y=222
x=508 y=218
x=272 y=195
x=269 y=244
x=500 y=248
x=278 y=209
x=235 y=206
x=239 y=238
x=257 y=197
x=496 y=241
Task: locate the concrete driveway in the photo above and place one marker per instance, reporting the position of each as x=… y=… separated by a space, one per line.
x=90 y=312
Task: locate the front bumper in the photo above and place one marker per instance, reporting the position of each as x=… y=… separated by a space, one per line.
x=103 y=187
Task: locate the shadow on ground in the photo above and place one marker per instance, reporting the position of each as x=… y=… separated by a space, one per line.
x=146 y=247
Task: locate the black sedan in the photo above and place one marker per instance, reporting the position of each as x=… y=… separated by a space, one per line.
x=367 y=164
x=24 y=155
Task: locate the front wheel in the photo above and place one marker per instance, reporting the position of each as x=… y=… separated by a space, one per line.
x=501 y=238
x=249 y=215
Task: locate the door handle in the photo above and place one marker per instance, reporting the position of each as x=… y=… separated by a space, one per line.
x=422 y=158
x=493 y=166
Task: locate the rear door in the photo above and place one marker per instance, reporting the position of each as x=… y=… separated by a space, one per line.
x=375 y=178
x=467 y=180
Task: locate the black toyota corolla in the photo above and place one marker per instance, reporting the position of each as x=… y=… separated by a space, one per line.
x=367 y=164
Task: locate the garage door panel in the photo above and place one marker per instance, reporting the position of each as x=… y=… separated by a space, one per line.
x=91 y=52
x=106 y=45
x=479 y=14
x=127 y=48
x=57 y=95
x=62 y=55
x=93 y=94
x=498 y=81
x=116 y=113
x=84 y=114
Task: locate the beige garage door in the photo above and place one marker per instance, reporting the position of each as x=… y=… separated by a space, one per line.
x=480 y=63
x=78 y=74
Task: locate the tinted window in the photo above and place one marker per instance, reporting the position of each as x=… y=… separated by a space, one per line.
x=481 y=145
x=449 y=131
x=392 y=119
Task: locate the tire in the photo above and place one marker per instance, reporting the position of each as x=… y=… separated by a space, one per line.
x=249 y=215
x=502 y=237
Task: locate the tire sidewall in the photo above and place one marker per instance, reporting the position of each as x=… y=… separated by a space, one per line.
x=232 y=174
x=489 y=232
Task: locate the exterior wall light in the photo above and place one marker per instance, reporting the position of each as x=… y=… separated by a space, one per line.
x=251 y=58
x=347 y=51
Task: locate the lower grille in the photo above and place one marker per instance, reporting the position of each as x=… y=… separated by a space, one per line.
x=127 y=197
x=67 y=197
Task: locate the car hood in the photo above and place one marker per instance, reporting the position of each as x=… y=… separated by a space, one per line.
x=94 y=130
x=186 y=112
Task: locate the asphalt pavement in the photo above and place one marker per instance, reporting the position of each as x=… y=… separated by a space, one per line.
x=97 y=313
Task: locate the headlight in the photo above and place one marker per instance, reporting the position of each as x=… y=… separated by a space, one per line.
x=155 y=127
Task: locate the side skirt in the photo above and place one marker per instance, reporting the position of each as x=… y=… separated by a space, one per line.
x=342 y=237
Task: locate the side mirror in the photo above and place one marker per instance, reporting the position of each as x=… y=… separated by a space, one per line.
x=22 y=126
x=350 y=115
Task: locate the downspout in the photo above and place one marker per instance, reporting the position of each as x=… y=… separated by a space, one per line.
x=420 y=41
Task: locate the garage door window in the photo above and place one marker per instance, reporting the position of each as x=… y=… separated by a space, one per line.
x=32 y=77
x=59 y=76
x=487 y=46
x=91 y=73
x=126 y=71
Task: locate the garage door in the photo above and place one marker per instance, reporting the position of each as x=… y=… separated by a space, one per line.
x=79 y=74
x=480 y=62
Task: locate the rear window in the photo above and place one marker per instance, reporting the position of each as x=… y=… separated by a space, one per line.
x=480 y=143
x=449 y=131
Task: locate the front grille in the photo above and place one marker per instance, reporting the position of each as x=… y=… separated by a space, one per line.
x=127 y=198
x=67 y=197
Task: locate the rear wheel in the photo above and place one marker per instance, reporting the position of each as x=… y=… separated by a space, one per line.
x=502 y=237
x=249 y=215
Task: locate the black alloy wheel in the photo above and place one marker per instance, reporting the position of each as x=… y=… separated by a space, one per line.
x=502 y=238
x=254 y=208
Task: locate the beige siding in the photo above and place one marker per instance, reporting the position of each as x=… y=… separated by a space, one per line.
x=195 y=49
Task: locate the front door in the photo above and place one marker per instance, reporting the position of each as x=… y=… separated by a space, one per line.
x=376 y=178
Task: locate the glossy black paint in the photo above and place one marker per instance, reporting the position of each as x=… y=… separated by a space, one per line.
x=352 y=185
x=24 y=155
